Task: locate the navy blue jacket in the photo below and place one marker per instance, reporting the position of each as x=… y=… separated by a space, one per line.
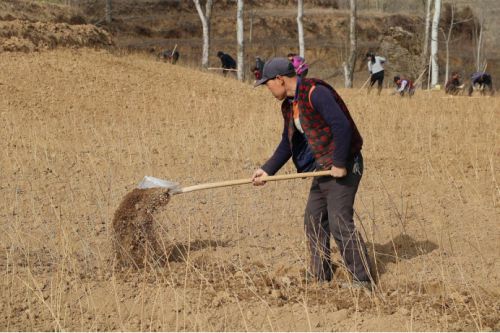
x=300 y=152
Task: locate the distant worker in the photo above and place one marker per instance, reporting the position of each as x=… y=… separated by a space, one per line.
x=376 y=69
x=482 y=82
x=259 y=67
x=299 y=64
x=404 y=86
x=454 y=86
x=169 y=56
x=259 y=63
x=227 y=62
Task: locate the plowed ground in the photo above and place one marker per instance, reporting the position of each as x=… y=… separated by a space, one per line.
x=80 y=128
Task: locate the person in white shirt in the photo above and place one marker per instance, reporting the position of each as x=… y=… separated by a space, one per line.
x=376 y=69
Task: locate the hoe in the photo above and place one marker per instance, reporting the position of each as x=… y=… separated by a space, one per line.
x=175 y=188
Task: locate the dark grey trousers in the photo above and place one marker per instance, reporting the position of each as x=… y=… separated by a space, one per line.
x=330 y=210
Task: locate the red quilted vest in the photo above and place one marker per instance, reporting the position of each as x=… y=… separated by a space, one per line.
x=316 y=130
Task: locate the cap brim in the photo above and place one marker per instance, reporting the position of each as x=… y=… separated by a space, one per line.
x=260 y=82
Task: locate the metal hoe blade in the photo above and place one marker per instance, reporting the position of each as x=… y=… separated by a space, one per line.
x=153 y=182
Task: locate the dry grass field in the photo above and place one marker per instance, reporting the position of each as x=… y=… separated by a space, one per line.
x=80 y=129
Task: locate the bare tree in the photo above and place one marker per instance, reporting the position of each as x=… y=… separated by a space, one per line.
x=240 y=39
x=425 y=49
x=205 y=22
x=250 y=30
x=108 y=10
x=434 y=43
x=300 y=26
x=447 y=35
x=447 y=41
x=349 y=66
x=478 y=33
x=380 y=5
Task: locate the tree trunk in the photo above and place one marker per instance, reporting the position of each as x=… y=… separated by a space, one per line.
x=479 y=46
x=447 y=69
x=300 y=27
x=425 y=48
x=434 y=43
x=108 y=10
x=205 y=22
x=448 y=38
x=349 y=66
x=241 y=41
x=250 y=30
x=429 y=67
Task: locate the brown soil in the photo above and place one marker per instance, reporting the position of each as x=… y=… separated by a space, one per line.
x=26 y=36
x=135 y=241
x=81 y=127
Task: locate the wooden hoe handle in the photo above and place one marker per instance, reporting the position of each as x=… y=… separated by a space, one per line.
x=249 y=180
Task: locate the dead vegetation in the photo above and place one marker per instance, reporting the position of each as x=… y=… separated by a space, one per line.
x=82 y=127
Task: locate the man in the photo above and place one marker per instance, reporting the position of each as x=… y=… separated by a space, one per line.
x=320 y=134
x=481 y=81
x=453 y=86
x=227 y=62
x=404 y=86
x=376 y=69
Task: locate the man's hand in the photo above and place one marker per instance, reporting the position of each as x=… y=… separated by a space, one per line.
x=338 y=172
x=256 y=177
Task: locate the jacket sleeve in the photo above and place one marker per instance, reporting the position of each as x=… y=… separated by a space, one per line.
x=281 y=155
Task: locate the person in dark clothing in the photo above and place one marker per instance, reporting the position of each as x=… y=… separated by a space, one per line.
x=454 y=86
x=227 y=62
x=291 y=55
x=259 y=67
x=169 y=56
x=481 y=81
x=259 y=64
x=376 y=69
x=320 y=134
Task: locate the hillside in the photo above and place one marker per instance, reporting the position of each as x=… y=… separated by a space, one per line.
x=271 y=30
x=150 y=25
x=81 y=129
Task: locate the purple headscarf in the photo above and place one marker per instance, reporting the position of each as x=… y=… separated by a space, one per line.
x=299 y=64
